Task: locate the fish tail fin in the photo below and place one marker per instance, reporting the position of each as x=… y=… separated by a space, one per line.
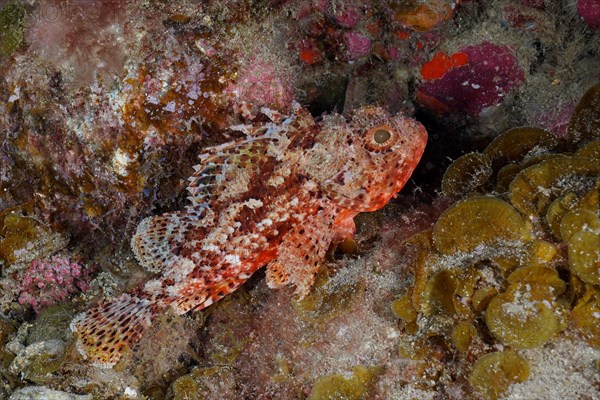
x=107 y=331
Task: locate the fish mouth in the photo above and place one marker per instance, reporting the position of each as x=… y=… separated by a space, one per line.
x=410 y=149
x=413 y=134
x=420 y=141
x=412 y=138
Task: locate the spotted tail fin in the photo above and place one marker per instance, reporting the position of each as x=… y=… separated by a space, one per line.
x=109 y=329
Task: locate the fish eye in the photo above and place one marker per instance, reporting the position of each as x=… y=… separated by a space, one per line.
x=381 y=136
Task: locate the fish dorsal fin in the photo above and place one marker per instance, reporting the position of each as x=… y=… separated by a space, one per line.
x=225 y=171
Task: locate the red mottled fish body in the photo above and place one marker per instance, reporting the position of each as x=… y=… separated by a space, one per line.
x=279 y=198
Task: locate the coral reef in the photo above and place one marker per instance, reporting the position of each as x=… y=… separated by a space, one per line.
x=527 y=268
x=469 y=81
x=480 y=280
x=589 y=10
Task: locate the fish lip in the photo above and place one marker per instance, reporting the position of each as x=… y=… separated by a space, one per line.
x=414 y=134
x=411 y=151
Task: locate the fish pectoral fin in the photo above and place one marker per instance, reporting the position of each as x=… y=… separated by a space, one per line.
x=304 y=282
x=277 y=275
x=300 y=255
x=110 y=329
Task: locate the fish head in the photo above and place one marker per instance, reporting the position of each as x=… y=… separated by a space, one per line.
x=373 y=156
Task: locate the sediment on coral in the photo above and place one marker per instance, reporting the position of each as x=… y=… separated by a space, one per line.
x=514 y=262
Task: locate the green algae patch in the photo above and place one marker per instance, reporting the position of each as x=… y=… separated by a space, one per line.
x=51 y=326
x=23 y=237
x=515 y=267
x=202 y=380
x=538 y=275
x=591 y=149
x=584 y=256
x=557 y=210
x=229 y=347
x=439 y=294
x=403 y=308
x=515 y=144
x=328 y=300
x=12 y=16
x=478 y=220
x=339 y=387
x=492 y=374
x=585 y=316
x=523 y=316
x=466 y=174
x=6 y=357
x=536 y=187
x=6 y=329
x=505 y=176
x=481 y=298
x=186 y=388
x=52 y=323
x=463 y=334
x=576 y=221
x=43 y=369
